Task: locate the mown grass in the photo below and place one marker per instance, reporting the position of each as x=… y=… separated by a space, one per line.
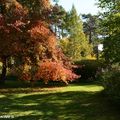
x=73 y=102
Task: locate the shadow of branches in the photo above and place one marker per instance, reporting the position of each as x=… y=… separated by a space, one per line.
x=72 y=105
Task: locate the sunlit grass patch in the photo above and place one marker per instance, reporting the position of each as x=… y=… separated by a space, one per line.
x=73 y=102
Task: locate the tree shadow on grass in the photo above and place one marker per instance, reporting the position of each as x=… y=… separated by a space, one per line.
x=12 y=84
x=73 y=105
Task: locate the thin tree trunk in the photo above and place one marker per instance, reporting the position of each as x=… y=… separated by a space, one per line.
x=62 y=33
x=97 y=54
x=4 y=70
x=90 y=37
x=59 y=33
x=55 y=29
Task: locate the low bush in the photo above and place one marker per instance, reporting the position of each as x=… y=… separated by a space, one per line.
x=111 y=82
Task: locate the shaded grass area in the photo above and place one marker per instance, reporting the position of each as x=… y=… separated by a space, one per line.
x=17 y=86
x=73 y=102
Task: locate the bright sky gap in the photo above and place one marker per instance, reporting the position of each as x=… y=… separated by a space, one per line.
x=82 y=6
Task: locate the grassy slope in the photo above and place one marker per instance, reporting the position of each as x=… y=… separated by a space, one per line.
x=74 y=102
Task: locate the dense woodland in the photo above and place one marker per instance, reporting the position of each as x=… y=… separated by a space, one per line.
x=42 y=42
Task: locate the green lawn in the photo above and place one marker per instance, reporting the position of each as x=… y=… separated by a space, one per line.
x=73 y=102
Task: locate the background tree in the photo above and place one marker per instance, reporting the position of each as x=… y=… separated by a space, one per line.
x=92 y=30
x=57 y=17
x=78 y=45
x=91 y=26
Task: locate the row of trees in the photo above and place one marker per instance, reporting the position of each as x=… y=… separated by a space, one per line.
x=79 y=34
x=28 y=31
x=95 y=29
x=40 y=38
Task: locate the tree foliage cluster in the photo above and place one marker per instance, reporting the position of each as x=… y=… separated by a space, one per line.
x=111 y=24
x=26 y=36
x=75 y=45
x=111 y=34
x=111 y=83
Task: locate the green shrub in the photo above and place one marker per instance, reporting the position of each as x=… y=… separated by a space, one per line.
x=88 y=69
x=111 y=83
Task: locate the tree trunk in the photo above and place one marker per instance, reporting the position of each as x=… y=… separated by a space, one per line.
x=55 y=29
x=4 y=70
x=90 y=37
x=97 y=54
x=59 y=33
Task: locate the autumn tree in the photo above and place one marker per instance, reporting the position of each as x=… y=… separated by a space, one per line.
x=35 y=43
x=11 y=22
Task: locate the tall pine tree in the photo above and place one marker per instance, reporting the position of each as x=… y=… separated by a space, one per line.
x=78 y=44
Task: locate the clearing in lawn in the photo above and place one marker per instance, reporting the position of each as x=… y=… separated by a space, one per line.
x=73 y=102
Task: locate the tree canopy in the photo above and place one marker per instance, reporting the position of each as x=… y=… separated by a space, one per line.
x=78 y=44
x=111 y=24
x=26 y=36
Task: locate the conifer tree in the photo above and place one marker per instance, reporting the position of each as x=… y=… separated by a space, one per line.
x=78 y=43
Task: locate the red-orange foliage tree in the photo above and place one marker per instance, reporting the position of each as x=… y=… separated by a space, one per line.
x=26 y=35
x=12 y=16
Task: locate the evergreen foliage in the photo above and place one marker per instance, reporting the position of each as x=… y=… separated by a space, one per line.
x=77 y=45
